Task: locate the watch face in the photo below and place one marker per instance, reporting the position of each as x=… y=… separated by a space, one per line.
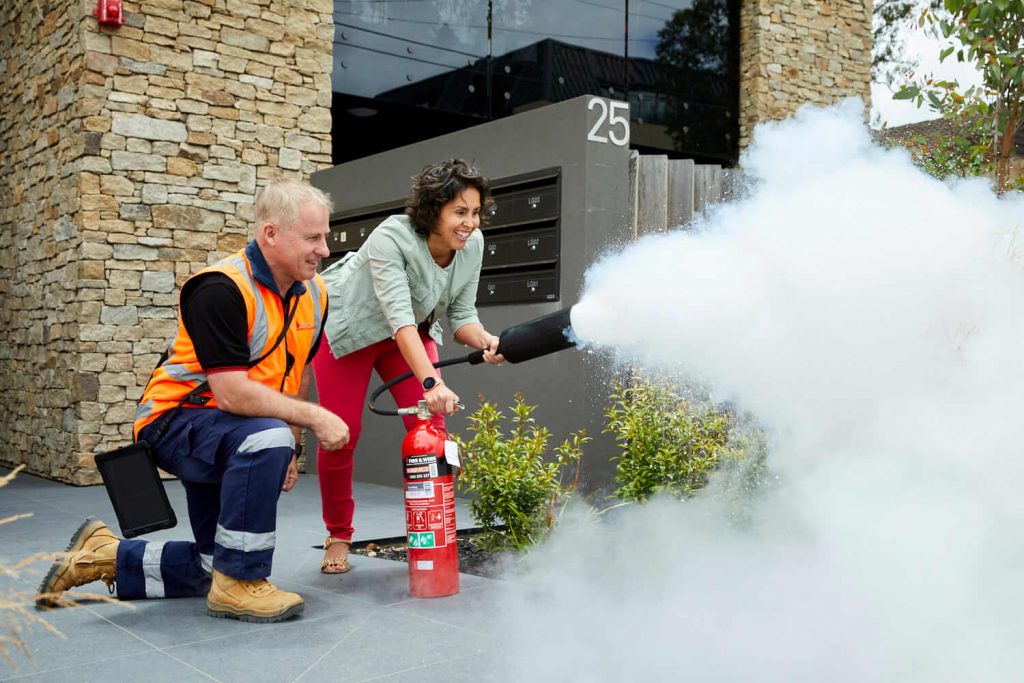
x=429 y=382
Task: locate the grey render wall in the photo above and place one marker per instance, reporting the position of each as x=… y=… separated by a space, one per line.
x=570 y=387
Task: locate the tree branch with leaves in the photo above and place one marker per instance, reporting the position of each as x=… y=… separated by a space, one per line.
x=990 y=35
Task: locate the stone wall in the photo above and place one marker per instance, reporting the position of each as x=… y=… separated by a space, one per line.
x=41 y=68
x=135 y=174
x=800 y=51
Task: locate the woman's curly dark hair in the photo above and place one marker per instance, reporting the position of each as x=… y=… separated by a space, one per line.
x=438 y=184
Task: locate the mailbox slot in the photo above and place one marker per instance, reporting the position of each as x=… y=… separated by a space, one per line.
x=528 y=247
x=525 y=205
x=520 y=287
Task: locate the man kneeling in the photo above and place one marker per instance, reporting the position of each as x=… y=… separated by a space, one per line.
x=230 y=396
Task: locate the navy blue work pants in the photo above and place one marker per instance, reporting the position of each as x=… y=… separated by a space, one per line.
x=232 y=468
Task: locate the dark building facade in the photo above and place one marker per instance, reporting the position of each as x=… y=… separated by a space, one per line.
x=409 y=70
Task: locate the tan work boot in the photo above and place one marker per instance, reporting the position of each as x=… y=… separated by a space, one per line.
x=258 y=600
x=91 y=555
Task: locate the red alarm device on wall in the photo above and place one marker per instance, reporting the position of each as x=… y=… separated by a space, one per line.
x=109 y=12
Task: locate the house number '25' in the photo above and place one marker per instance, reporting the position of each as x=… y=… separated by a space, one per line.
x=615 y=114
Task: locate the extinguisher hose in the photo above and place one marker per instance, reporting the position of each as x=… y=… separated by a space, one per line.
x=439 y=364
x=522 y=342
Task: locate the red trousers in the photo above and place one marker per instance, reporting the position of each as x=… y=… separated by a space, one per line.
x=342 y=385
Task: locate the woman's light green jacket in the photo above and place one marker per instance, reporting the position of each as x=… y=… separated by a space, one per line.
x=392 y=281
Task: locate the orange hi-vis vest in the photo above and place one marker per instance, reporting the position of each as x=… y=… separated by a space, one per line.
x=180 y=372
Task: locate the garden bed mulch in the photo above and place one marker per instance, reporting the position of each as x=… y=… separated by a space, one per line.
x=473 y=558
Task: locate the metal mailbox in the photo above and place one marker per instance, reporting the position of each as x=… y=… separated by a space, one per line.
x=527 y=247
x=522 y=238
x=349 y=232
x=518 y=287
x=525 y=205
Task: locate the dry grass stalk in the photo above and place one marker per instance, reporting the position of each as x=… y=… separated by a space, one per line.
x=15 y=610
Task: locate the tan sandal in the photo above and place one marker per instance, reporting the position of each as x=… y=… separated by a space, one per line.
x=335 y=565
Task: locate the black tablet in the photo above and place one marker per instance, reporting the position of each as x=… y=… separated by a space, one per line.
x=135 y=489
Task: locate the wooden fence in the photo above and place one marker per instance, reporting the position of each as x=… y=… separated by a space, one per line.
x=666 y=194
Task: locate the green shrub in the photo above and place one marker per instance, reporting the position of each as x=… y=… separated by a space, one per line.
x=508 y=473
x=947 y=156
x=674 y=439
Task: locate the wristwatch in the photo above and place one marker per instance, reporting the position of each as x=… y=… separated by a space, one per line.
x=297 y=451
x=430 y=382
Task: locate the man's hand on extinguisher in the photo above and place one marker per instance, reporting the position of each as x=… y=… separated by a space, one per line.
x=441 y=399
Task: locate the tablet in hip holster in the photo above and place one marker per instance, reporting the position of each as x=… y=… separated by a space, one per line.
x=135 y=489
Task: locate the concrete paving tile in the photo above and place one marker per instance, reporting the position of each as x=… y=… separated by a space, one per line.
x=152 y=667
x=471 y=609
x=26 y=482
x=47 y=490
x=293 y=563
x=471 y=667
x=58 y=496
x=40 y=533
x=172 y=623
x=20 y=502
x=86 y=637
x=279 y=654
x=390 y=643
x=59 y=521
x=166 y=623
x=12 y=502
x=468 y=581
x=373 y=581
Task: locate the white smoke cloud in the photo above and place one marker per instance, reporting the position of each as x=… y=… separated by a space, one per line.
x=872 y=318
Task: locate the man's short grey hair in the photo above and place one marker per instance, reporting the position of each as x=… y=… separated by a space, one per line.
x=280 y=201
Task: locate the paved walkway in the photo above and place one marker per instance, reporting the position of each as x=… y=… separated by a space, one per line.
x=362 y=626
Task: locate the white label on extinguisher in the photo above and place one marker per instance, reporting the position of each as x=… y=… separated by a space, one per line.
x=451 y=453
x=419 y=489
x=425 y=565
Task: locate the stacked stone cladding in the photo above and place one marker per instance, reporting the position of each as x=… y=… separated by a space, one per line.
x=801 y=51
x=133 y=155
x=40 y=67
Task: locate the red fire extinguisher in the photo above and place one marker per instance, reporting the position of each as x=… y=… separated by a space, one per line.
x=429 y=509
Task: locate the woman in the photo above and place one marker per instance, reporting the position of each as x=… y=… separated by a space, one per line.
x=385 y=303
